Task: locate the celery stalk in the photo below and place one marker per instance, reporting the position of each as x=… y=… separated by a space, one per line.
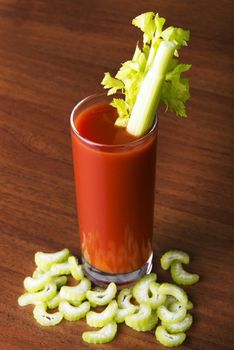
x=144 y=109
x=153 y=75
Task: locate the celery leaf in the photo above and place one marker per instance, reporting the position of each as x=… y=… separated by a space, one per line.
x=175 y=91
x=111 y=83
x=120 y=105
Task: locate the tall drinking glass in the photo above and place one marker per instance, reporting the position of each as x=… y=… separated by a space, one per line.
x=115 y=201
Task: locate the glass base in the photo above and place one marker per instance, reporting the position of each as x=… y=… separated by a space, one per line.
x=122 y=280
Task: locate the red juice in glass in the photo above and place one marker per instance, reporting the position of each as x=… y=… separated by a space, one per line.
x=114 y=178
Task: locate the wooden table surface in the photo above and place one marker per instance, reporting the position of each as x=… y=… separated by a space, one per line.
x=54 y=53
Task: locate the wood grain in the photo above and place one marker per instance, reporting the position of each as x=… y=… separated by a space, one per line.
x=52 y=54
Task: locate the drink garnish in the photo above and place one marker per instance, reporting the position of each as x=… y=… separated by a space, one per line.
x=153 y=75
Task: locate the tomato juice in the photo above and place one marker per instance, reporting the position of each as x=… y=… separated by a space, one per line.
x=114 y=178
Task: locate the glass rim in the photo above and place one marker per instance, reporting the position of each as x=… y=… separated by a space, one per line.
x=104 y=145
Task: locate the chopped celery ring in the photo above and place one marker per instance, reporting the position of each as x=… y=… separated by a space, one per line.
x=180 y=276
x=27 y=299
x=168 y=316
x=100 y=319
x=44 y=295
x=103 y=297
x=140 y=319
x=181 y=326
x=124 y=298
x=144 y=326
x=59 y=269
x=141 y=289
x=76 y=270
x=54 y=302
x=168 y=339
x=125 y=307
x=35 y=284
x=73 y=313
x=47 y=293
x=44 y=318
x=76 y=293
x=122 y=313
x=175 y=291
x=172 y=255
x=156 y=299
x=145 y=287
x=60 y=281
x=45 y=260
x=103 y=335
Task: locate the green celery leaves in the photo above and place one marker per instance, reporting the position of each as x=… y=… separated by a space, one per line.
x=129 y=78
x=175 y=90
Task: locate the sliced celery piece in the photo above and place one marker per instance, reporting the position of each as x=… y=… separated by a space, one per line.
x=76 y=269
x=59 y=269
x=156 y=299
x=141 y=318
x=125 y=307
x=175 y=291
x=44 y=318
x=147 y=290
x=27 y=299
x=45 y=260
x=142 y=326
x=168 y=339
x=124 y=299
x=153 y=320
x=172 y=255
x=103 y=335
x=180 y=276
x=35 y=284
x=76 y=293
x=181 y=326
x=100 y=319
x=140 y=290
x=122 y=313
x=54 y=302
x=168 y=316
x=73 y=313
x=102 y=297
x=47 y=293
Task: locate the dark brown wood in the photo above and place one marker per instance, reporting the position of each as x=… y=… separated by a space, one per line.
x=52 y=54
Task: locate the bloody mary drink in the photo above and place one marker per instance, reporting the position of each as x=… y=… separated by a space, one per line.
x=114 y=177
